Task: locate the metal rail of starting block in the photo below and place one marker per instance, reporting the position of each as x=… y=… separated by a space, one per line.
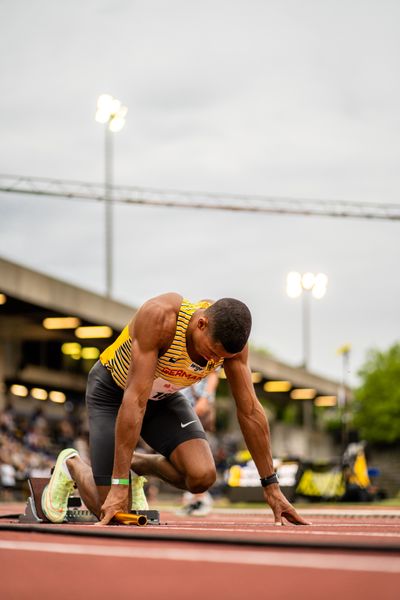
x=75 y=513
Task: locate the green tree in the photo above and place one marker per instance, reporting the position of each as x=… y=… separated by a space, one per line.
x=377 y=405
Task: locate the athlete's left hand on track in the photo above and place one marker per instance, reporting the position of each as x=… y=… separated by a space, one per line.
x=281 y=507
x=116 y=501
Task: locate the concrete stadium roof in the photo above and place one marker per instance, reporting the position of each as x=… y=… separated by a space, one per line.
x=44 y=293
x=42 y=290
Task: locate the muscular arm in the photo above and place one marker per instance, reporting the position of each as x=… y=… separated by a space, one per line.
x=131 y=413
x=255 y=429
x=251 y=416
x=151 y=331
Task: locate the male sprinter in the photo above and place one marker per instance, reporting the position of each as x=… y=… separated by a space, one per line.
x=133 y=390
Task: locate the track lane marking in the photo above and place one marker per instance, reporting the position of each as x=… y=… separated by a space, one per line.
x=314 y=525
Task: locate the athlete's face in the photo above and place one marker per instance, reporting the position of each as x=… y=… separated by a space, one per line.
x=207 y=347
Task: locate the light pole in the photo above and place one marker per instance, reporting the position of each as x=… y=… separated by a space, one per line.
x=110 y=112
x=344 y=352
x=306 y=284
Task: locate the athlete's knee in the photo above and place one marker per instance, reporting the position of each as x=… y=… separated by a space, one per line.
x=201 y=481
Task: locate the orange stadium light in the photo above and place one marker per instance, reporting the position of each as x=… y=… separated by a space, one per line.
x=303 y=394
x=98 y=331
x=19 y=390
x=90 y=353
x=61 y=322
x=277 y=386
x=39 y=394
x=71 y=349
x=325 y=401
x=57 y=397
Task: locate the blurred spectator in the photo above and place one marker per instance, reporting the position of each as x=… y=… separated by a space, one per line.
x=37 y=438
x=29 y=445
x=7 y=419
x=65 y=433
x=7 y=475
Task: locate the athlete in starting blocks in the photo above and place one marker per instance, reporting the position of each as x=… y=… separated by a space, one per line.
x=134 y=390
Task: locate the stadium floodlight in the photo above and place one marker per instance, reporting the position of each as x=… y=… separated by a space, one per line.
x=111 y=113
x=302 y=284
x=320 y=285
x=307 y=281
x=293 y=284
x=306 y=284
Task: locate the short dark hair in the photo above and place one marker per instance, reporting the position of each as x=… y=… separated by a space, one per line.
x=230 y=323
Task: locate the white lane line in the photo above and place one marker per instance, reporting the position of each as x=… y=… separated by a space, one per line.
x=324 y=512
x=282 y=530
x=303 y=560
x=264 y=524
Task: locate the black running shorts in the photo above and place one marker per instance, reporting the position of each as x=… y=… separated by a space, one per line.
x=166 y=424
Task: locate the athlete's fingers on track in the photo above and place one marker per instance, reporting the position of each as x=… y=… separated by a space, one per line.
x=293 y=517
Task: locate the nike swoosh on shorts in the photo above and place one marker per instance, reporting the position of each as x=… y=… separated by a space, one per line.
x=186 y=424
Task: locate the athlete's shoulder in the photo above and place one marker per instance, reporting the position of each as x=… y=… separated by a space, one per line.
x=165 y=303
x=157 y=316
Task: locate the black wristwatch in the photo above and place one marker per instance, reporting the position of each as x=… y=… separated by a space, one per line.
x=265 y=481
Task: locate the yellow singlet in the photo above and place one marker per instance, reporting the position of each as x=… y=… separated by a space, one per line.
x=175 y=369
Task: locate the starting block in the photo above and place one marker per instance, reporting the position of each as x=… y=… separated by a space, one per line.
x=75 y=513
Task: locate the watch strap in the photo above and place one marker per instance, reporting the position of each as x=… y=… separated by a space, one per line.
x=265 y=481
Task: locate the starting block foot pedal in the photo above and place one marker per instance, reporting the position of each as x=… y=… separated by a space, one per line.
x=33 y=509
x=30 y=515
x=75 y=514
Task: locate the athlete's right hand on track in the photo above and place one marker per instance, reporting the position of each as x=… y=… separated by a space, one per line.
x=116 y=501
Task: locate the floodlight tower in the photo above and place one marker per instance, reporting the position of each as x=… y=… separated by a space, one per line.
x=344 y=352
x=305 y=285
x=111 y=113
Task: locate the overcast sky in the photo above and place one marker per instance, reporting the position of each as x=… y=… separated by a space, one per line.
x=296 y=98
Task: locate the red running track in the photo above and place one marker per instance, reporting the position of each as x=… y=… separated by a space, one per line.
x=36 y=565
